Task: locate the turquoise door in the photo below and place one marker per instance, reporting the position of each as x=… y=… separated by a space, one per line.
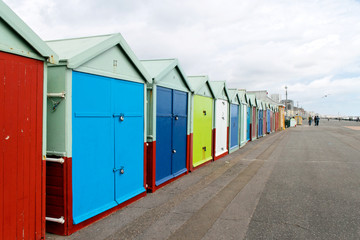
x=128 y=102
x=107 y=143
x=248 y=123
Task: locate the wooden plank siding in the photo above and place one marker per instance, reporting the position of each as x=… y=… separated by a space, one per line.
x=22 y=193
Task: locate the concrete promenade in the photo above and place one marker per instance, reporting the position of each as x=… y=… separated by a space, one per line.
x=301 y=183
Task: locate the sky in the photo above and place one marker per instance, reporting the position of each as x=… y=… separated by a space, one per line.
x=310 y=46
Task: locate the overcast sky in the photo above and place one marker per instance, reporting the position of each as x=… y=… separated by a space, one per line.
x=311 y=46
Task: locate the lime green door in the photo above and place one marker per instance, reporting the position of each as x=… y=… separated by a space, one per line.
x=202 y=140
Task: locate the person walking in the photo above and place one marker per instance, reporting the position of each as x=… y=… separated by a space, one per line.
x=310 y=120
x=316 y=120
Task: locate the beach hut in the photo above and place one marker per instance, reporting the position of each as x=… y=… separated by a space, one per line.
x=277 y=118
x=248 y=121
x=168 y=122
x=23 y=60
x=272 y=118
x=221 y=119
x=268 y=119
x=202 y=102
x=254 y=116
x=260 y=119
x=243 y=116
x=234 y=131
x=96 y=130
x=282 y=117
x=265 y=106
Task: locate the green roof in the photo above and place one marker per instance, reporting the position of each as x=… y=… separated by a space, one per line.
x=262 y=95
x=218 y=87
x=252 y=99
x=77 y=51
x=158 y=68
x=197 y=82
x=26 y=33
x=242 y=95
x=233 y=95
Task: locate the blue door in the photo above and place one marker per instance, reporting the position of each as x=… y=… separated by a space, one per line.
x=260 y=123
x=234 y=125
x=163 y=134
x=179 y=133
x=248 y=123
x=171 y=133
x=128 y=113
x=268 y=121
x=102 y=143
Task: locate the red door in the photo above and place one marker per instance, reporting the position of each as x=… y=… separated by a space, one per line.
x=22 y=212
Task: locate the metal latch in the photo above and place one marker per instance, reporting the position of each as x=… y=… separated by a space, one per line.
x=204 y=112
x=60 y=220
x=174 y=151
x=121 y=170
x=176 y=118
x=204 y=148
x=121 y=116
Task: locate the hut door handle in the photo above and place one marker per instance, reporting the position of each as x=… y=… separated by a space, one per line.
x=121 y=116
x=121 y=170
x=174 y=151
x=176 y=118
x=204 y=148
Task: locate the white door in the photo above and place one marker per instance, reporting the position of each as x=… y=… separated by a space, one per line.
x=221 y=123
x=243 y=122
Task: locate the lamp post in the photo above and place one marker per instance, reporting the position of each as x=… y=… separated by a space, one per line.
x=286 y=101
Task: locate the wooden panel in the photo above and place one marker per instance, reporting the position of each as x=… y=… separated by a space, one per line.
x=2 y=142
x=55 y=190
x=21 y=172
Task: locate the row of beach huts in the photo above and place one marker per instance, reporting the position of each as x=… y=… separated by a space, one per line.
x=87 y=128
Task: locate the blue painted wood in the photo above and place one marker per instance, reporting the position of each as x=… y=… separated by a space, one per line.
x=179 y=133
x=128 y=109
x=260 y=125
x=234 y=125
x=248 y=120
x=163 y=134
x=100 y=144
x=171 y=133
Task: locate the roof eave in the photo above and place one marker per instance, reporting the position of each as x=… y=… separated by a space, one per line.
x=101 y=47
x=27 y=33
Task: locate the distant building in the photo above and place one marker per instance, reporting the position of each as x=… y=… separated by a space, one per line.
x=289 y=104
x=275 y=97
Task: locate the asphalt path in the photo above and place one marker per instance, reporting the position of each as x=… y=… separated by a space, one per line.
x=301 y=183
x=313 y=191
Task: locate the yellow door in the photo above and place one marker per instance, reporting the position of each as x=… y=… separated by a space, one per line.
x=202 y=140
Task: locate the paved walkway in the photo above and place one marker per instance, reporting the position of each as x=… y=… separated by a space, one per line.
x=301 y=183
